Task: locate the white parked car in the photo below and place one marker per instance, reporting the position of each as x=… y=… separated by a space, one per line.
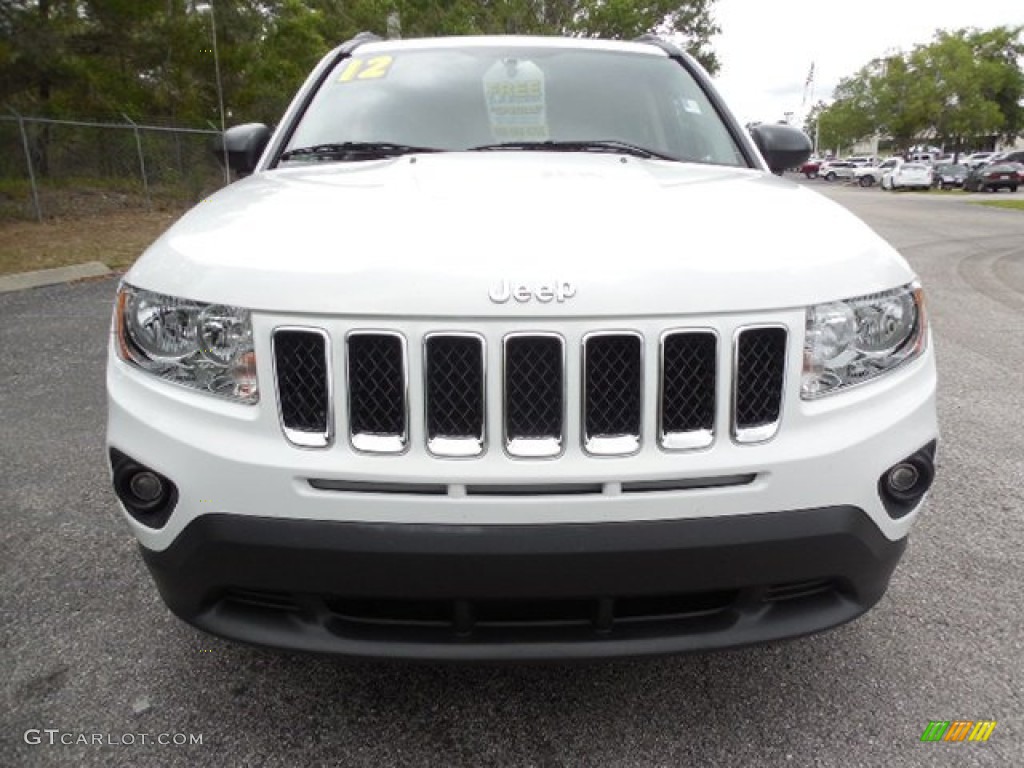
x=908 y=176
x=869 y=175
x=862 y=160
x=837 y=169
x=428 y=382
x=978 y=158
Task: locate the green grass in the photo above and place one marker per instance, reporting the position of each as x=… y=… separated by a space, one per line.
x=1013 y=205
x=116 y=239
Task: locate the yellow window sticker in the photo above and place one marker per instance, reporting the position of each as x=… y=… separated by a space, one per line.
x=516 y=104
x=366 y=69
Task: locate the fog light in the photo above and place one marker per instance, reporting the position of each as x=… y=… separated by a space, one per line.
x=146 y=486
x=902 y=486
x=147 y=496
x=902 y=477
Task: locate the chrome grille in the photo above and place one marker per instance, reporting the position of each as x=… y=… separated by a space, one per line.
x=760 y=364
x=688 y=380
x=534 y=394
x=612 y=393
x=454 y=379
x=451 y=394
x=303 y=385
x=377 y=403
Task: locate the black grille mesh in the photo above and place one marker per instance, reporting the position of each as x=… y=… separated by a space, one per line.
x=760 y=364
x=455 y=380
x=533 y=386
x=301 y=364
x=688 y=382
x=613 y=385
x=376 y=385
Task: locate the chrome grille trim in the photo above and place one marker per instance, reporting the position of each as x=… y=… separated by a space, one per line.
x=619 y=444
x=384 y=442
x=533 y=447
x=305 y=438
x=706 y=391
x=703 y=436
x=455 y=446
x=747 y=432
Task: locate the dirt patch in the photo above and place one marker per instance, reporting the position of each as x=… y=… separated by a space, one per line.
x=116 y=239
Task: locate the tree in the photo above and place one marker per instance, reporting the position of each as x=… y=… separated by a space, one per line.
x=963 y=86
x=152 y=59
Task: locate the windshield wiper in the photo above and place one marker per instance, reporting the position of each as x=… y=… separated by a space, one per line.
x=594 y=145
x=355 y=150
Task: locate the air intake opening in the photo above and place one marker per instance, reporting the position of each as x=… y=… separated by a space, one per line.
x=303 y=385
x=612 y=392
x=759 y=377
x=454 y=394
x=688 y=387
x=534 y=395
x=377 y=381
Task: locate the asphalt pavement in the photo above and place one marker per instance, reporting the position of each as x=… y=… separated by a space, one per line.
x=88 y=649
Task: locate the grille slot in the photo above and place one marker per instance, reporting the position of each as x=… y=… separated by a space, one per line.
x=454 y=379
x=377 y=402
x=534 y=395
x=688 y=385
x=538 y=620
x=612 y=393
x=303 y=385
x=798 y=590
x=760 y=368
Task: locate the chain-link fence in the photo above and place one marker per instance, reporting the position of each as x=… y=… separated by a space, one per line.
x=65 y=168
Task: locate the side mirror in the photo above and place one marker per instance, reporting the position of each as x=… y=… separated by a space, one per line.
x=783 y=146
x=241 y=146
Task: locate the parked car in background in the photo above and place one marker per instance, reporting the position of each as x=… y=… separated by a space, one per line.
x=1017 y=156
x=949 y=176
x=836 y=169
x=990 y=178
x=978 y=158
x=908 y=176
x=869 y=175
x=862 y=160
x=810 y=168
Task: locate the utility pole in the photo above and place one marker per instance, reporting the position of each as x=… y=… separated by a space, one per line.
x=202 y=7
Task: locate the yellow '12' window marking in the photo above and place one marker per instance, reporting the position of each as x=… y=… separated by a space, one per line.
x=365 y=69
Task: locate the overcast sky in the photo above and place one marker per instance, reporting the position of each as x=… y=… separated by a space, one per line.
x=766 y=46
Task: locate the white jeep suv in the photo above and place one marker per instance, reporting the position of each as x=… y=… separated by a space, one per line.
x=504 y=349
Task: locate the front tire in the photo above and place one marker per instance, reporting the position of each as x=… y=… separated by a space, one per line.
x=867 y=181
x=830 y=177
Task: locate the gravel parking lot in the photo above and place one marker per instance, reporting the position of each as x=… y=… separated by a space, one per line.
x=88 y=648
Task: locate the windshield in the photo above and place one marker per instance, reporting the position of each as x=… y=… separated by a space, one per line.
x=460 y=98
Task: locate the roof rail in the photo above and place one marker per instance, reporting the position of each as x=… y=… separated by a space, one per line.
x=363 y=37
x=670 y=48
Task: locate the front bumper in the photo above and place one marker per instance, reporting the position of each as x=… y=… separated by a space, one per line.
x=524 y=591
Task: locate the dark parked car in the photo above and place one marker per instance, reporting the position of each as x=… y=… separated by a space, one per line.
x=1016 y=156
x=949 y=176
x=990 y=178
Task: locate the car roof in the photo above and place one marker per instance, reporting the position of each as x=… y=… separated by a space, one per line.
x=490 y=41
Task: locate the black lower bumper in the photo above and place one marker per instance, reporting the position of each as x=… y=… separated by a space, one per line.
x=524 y=591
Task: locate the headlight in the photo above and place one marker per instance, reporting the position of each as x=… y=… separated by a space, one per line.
x=852 y=341
x=205 y=346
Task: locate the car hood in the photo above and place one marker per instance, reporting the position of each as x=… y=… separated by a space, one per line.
x=435 y=234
